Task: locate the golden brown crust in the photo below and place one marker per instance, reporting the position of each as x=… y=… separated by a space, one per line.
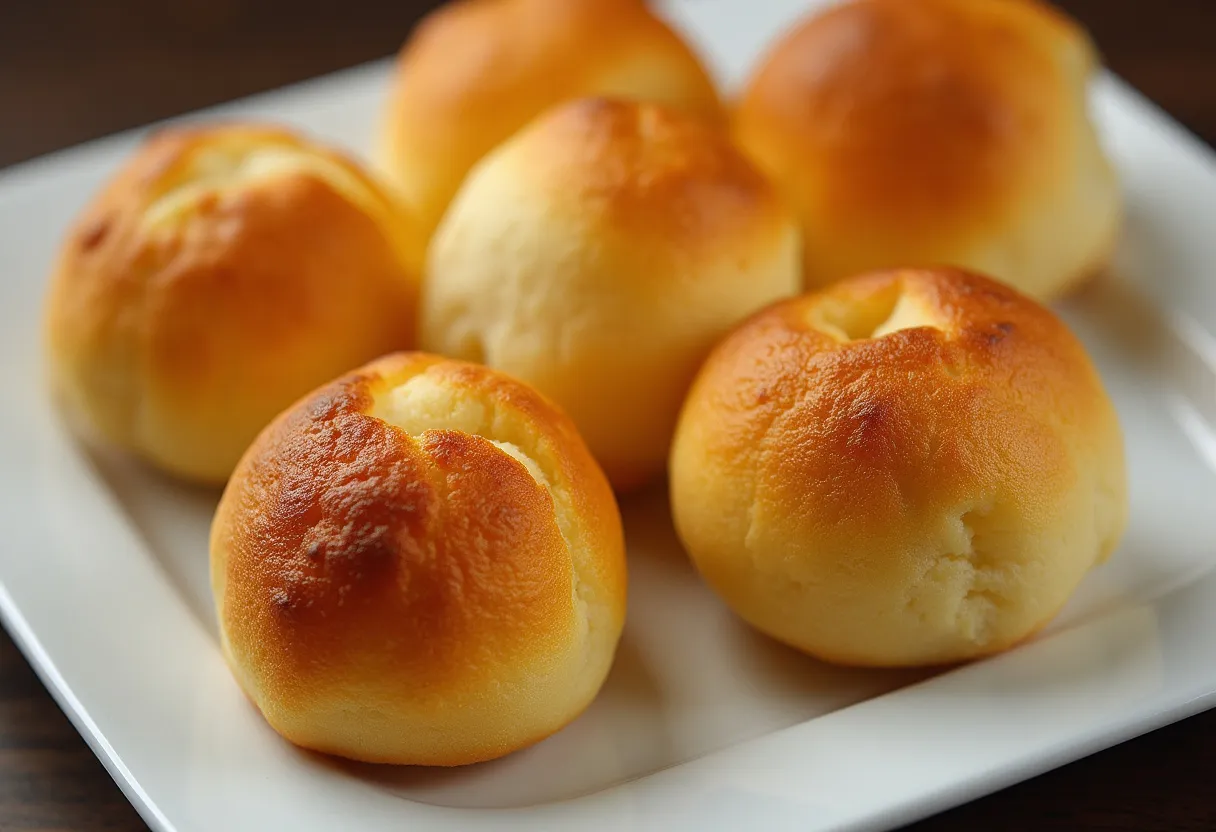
x=599 y=255
x=935 y=131
x=476 y=71
x=927 y=495
x=223 y=272
x=429 y=583
x=648 y=173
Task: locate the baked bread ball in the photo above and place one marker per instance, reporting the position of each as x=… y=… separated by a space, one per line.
x=907 y=468
x=419 y=563
x=224 y=272
x=937 y=132
x=476 y=71
x=599 y=255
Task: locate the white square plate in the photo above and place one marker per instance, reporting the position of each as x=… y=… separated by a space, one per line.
x=703 y=724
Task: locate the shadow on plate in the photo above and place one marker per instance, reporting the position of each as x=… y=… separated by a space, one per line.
x=173 y=518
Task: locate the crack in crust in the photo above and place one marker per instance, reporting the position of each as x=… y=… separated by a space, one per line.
x=424 y=407
x=419 y=563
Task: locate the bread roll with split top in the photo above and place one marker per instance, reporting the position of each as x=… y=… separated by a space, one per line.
x=419 y=563
x=222 y=273
x=910 y=467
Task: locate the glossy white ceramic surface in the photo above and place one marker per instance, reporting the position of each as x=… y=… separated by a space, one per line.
x=703 y=723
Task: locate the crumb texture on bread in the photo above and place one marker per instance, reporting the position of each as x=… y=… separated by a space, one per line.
x=937 y=132
x=419 y=563
x=908 y=468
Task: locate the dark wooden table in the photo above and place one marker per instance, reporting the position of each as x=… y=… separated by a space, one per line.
x=71 y=71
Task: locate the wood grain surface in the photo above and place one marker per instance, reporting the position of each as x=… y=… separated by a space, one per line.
x=72 y=70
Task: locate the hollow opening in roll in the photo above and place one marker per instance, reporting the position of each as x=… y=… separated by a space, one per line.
x=424 y=403
x=888 y=310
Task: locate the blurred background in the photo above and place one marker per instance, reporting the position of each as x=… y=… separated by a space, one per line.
x=72 y=70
